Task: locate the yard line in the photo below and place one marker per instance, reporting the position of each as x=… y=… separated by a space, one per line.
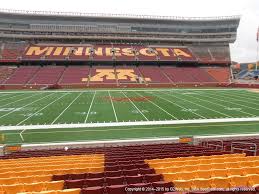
x=157 y=106
x=240 y=97
x=200 y=105
x=8 y=98
x=66 y=109
x=113 y=107
x=223 y=105
x=42 y=109
x=27 y=105
x=20 y=100
x=180 y=106
x=136 y=106
x=232 y=102
x=247 y=97
x=90 y=107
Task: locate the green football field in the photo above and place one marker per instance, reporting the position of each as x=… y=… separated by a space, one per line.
x=77 y=115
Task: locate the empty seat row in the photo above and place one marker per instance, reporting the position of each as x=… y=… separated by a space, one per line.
x=195 y=158
x=22 y=180
x=227 y=165
x=81 y=183
x=209 y=173
x=51 y=172
x=117 y=173
x=67 y=191
x=32 y=187
x=217 y=183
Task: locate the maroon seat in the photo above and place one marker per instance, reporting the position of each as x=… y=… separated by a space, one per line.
x=134 y=179
x=133 y=172
x=139 y=165
x=147 y=171
x=70 y=184
x=113 y=173
x=128 y=167
x=60 y=177
x=150 y=178
x=116 y=189
x=77 y=176
x=114 y=180
x=92 y=190
x=94 y=182
x=112 y=168
x=95 y=175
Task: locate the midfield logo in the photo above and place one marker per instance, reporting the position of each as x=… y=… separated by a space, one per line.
x=109 y=74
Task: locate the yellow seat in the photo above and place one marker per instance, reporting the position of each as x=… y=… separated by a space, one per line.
x=233 y=165
x=220 y=183
x=205 y=161
x=219 y=173
x=204 y=167
x=187 y=175
x=34 y=187
x=250 y=170
x=218 y=160
x=192 y=162
x=182 y=185
x=253 y=179
x=12 y=189
x=239 y=181
x=247 y=164
x=9 y=181
x=169 y=177
x=235 y=171
x=190 y=168
x=69 y=191
x=201 y=184
x=204 y=174
x=55 y=185
x=219 y=166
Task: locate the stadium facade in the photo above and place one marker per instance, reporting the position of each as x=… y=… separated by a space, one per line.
x=170 y=45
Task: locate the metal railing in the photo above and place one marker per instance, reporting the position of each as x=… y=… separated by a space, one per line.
x=252 y=148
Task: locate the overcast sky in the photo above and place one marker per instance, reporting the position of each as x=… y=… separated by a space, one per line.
x=244 y=49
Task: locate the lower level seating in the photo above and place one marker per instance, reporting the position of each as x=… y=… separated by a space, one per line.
x=119 y=170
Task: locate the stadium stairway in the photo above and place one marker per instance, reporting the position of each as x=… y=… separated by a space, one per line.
x=145 y=169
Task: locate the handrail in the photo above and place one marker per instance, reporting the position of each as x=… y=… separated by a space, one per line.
x=243 y=149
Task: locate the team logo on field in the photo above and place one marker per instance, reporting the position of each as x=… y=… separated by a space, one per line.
x=129 y=99
x=109 y=74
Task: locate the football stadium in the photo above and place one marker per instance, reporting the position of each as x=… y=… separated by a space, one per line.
x=125 y=104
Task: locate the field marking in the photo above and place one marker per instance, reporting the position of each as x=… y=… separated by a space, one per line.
x=140 y=128
x=207 y=95
x=41 y=109
x=158 y=106
x=114 y=111
x=8 y=97
x=66 y=108
x=247 y=97
x=19 y=100
x=129 y=90
x=234 y=98
x=126 y=124
x=90 y=107
x=180 y=106
x=200 y=105
x=136 y=107
x=26 y=105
